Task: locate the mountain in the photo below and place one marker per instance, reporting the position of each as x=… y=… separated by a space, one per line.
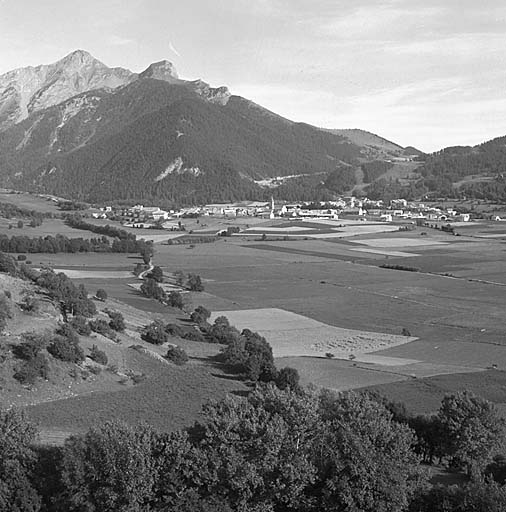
x=468 y=171
x=31 y=89
x=371 y=144
x=83 y=130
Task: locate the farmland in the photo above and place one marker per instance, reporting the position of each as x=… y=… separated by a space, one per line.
x=444 y=321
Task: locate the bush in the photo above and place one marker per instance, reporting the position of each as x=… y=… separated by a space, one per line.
x=222 y=332
x=101 y=294
x=156 y=274
x=66 y=350
x=30 y=304
x=21 y=257
x=155 y=333
x=117 y=322
x=175 y=300
x=80 y=325
x=150 y=289
x=174 y=330
x=97 y=355
x=100 y=326
x=200 y=315
x=31 y=347
x=177 y=355
x=194 y=283
x=5 y=311
x=288 y=378
x=33 y=369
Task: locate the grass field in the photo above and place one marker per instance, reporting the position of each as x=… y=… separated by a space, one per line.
x=423 y=396
x=290 y=334
x=318 y=288
x=170 y=399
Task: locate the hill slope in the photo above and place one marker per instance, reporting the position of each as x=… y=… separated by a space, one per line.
x=83 y=130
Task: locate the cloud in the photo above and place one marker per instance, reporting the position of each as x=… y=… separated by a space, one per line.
x=173 y=50
x=116 y=40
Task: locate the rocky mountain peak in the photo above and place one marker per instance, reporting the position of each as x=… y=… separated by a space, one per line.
x=80 y=57
x=163 y=70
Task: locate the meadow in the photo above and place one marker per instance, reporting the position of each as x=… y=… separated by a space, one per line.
x=452 y=308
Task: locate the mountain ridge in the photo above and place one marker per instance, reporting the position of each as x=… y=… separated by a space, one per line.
x=155 y=135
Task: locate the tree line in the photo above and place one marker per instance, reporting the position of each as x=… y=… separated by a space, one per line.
x=60 y=243
x=77 y=222
x=275 y=451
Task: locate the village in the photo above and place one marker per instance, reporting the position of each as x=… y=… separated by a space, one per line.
x=350 y=208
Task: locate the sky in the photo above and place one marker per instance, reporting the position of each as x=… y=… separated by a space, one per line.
x=430 y=74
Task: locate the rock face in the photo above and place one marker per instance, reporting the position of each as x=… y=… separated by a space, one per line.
x=163 y=70
x=28 y=90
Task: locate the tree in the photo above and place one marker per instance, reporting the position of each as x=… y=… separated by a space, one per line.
x=156 y=274
x=117 y=321
x=472 y=430
x=175 y=300
x=200 y=315
x=258 y=451
x=194 y=283
x=480 y=496
x=101 y=294
x=65 y=349
x=288 y=378
x=80 y=325
x=150 y=288
x=155 y=333
x=17 y=459
x=179 y=277
x=97 y=355
x=109 y=469
x=20 y=224
x=177 y=355
x=365 y=459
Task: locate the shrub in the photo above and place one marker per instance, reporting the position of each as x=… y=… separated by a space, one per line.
x=193 y=335
x=156 y=274
x=177 y=355
x=97 y=355
x=222 y=332
x=200 y=315
x=405 y=332
x=117 y=322
x=30 y=304
x=20 y=224
x=8 y=294
x=329 y=355
x=31 y=347
x=288 y=378
x=100 y=326
x=33 y=369
x=175 y=300
x=80 y=325
x=64 y=349
x=101 y=294
x=154 y=333
x=21 y=257
x=194 y=283
x=5 y=312
x=174 y=330
x=150 y=289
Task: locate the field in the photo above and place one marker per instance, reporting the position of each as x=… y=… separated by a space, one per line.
x=290 y=334
x=322 y=291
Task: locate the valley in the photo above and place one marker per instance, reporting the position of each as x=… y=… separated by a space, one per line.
x=317 y=292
